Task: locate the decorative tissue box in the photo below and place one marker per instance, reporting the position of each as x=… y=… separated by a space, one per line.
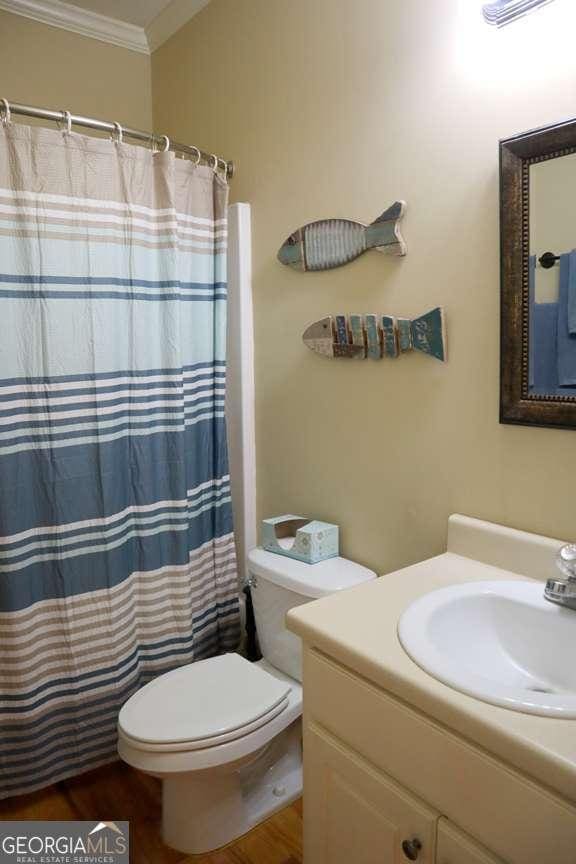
x=304 y=539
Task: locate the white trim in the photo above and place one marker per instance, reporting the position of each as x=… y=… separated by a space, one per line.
x=170 y=19
x=69 y=17
x=66 y=16
x=240 y=388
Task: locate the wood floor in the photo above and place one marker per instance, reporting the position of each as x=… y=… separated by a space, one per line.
x=118 y=792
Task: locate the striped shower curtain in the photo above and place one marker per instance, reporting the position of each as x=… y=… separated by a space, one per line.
x=116 y=548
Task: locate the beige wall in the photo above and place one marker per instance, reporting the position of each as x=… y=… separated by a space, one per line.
x=52 y=68
x=336 y=108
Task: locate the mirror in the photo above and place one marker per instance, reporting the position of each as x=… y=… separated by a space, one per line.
x=538 y=264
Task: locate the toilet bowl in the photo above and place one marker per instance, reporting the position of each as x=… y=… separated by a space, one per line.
x=224 y=734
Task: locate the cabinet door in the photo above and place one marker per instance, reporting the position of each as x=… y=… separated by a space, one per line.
x=354 y=813
x=455 y=847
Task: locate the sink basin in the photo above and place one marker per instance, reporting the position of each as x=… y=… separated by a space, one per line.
x=500 y=642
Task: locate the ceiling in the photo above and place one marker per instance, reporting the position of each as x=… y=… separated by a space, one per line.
x=139 y=12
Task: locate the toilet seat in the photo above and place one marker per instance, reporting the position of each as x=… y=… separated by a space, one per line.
x=204 y=743
x=177 y=761
x=202 y=705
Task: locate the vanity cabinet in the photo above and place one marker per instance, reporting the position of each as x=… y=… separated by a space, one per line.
x=455 y=847
x=385 y=784
x=360 y=815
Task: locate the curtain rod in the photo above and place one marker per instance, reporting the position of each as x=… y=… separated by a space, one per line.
x=8 y=108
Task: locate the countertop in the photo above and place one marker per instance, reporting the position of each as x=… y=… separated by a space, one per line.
x=358 y=629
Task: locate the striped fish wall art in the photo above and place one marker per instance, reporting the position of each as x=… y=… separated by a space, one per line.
x=331 y=243
x=376 y=336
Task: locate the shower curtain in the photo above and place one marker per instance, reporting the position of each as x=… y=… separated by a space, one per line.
x=117 y=557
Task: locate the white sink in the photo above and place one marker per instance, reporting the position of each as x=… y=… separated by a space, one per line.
x=500 y=642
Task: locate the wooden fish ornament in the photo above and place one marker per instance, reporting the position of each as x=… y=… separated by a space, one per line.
x=376 y=336
x=334 y=242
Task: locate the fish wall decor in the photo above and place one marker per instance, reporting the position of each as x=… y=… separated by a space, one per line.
x=376 y=336
x=333 y=242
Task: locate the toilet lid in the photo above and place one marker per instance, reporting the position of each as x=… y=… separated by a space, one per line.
x=202 y=700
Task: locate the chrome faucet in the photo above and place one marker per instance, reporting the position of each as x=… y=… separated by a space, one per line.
x=563 y=591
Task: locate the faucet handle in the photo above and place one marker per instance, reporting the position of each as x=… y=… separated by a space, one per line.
x=566 y=561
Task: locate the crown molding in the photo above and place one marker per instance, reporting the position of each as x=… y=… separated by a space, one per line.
x=170 y=19
x=111 y=30
x=69 y=17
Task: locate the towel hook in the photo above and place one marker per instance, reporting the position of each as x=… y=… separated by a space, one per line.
x=5 y=112
x=548 y=260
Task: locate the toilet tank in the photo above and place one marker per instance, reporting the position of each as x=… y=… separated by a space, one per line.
x=278 y=584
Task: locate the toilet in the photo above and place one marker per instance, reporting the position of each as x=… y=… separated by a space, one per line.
x=224 y=734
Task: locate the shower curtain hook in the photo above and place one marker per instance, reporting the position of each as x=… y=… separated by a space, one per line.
x=166 y=140
x=5 y=112
x=198 y=157
x=214 y=165
x=67 y=116
x=118 y=134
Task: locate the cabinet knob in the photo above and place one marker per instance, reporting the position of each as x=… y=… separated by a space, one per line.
x=411 y=848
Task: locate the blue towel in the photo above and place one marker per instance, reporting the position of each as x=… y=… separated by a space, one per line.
x=551 y=348
x=531 y=313
x=543 y=352
x=566 y=342
x=572 y=293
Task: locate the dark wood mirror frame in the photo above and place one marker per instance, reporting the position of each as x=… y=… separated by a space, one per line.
x=517 y=154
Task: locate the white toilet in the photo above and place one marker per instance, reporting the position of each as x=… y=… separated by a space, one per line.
x=224 y=734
